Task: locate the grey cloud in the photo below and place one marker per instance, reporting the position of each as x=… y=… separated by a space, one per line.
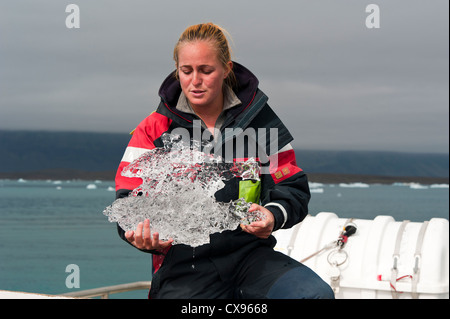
x=335 y=83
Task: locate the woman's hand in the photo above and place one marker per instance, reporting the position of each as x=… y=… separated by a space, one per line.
x=142 y=239
x=262 y=228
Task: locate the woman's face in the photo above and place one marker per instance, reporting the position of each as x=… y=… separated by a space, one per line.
x=201 y=74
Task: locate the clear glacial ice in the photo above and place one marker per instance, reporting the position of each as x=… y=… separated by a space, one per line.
x=177 y=194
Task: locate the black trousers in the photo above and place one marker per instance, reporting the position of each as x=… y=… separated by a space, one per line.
x=262 y=273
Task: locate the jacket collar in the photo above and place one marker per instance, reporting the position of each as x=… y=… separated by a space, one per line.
x=246 y=90
x=230 y=100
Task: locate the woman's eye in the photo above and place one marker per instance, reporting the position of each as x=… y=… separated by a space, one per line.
x=207 y=70
x=203 y=71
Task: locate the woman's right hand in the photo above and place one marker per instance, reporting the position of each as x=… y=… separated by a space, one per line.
x=142 y=239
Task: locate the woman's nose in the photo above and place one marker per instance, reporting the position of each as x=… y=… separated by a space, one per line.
x=196 y=79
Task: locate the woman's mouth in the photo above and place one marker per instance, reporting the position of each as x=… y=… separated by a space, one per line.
x=197 y=93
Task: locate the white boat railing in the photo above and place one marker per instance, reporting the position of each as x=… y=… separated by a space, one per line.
x=104 y=292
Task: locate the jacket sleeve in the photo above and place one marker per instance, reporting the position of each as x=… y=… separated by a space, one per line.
x=285 y=189
x=142 y=141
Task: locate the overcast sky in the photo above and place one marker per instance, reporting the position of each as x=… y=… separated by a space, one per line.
x=336 y=83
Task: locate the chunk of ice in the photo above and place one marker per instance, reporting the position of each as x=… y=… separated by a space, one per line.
x=177 y=194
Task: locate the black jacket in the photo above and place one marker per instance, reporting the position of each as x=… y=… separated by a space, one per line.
x=284 y=187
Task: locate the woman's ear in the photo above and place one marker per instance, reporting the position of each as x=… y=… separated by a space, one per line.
x=229 y=68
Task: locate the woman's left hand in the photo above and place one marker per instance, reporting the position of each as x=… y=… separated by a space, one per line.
x=262 y=228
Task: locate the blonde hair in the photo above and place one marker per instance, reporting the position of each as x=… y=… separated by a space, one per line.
x=217 y=36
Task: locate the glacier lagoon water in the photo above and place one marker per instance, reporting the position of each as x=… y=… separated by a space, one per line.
x=47 y=225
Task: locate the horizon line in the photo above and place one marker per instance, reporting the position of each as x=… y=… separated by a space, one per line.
x=296 y=148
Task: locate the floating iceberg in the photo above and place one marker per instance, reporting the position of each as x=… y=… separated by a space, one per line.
x=417 y=186
x=439 y=186
x=354 y=185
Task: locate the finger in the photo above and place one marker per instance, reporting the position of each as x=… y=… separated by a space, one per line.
x=138 y=234
x=165 y=244
x=254 y=207
x=247 y=228
x=258 y=224
x=146 y=237
x=155 y=240
x=261 y=232
x=147 y=231
x=129 y=235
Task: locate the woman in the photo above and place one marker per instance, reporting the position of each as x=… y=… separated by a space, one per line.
x=209 y=88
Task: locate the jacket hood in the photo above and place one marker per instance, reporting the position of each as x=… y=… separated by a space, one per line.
x=246 y=89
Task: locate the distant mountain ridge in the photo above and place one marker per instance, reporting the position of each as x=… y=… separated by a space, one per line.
x=23 y=151
x=374 y=163
x=26 y=151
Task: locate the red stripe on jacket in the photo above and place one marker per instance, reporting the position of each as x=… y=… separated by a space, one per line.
x=283 y=166
x=143 y=137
